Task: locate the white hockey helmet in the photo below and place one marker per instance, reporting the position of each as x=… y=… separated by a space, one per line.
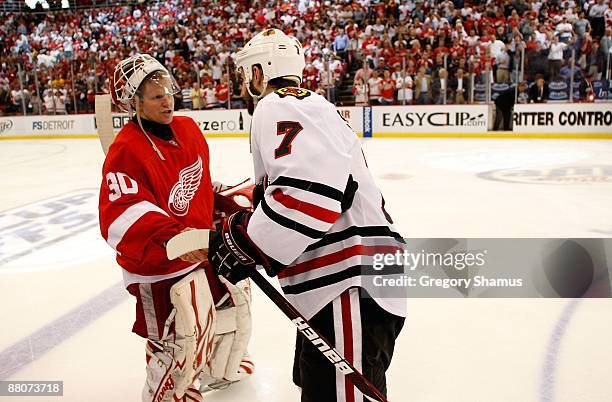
x=129 y=75
x=278 y=54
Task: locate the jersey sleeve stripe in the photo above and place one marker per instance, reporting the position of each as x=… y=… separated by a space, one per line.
x=312 y=210
x=129 y=217
x=311 y=186
x=323 y=281
x=335 y=257
x=363 y=231
x=289 y=223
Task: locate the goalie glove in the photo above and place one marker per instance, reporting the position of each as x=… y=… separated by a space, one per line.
x=233 y=255
x=231 y=199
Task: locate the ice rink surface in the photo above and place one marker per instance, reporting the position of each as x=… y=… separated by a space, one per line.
x=66 y=315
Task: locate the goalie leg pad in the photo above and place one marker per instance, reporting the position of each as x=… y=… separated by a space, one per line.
x=230 y=360
x=176 y=361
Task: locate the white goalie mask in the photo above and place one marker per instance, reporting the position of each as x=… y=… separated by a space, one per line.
x=130 y=74
x=278 y=54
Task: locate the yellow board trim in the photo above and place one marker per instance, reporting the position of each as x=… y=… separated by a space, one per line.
x=64 y=136
x=490 y=134
x=46 y=136
x=497 y=134
x=227 y=135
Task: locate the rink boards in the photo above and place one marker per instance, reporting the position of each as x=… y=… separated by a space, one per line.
x=551 y=120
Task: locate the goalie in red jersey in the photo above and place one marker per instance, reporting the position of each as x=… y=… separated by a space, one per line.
x=156 y=184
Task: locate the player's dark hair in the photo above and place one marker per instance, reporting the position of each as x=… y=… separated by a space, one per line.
x=280 y=82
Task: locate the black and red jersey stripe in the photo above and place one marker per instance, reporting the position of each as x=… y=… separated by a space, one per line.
x=307 y=208
x=310 y=186
x=336 y=257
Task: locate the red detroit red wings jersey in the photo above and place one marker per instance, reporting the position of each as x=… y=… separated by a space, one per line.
x=145 y=201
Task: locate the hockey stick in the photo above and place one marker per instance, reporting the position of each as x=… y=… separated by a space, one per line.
x=104 y=121
x=186 y=242
x=341 y=364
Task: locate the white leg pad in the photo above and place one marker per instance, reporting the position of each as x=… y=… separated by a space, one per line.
x=176 y=361
x=229 y=360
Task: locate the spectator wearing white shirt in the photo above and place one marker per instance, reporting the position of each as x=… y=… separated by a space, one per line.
x=210 y=94
x=49 y=102
x=327 y=78
x=542 y=37
x=405 y=91
x=496 y=47
x=596 y=13
x=361 y=92
x=397 y=74
x=473 y=39
x=565 y=30
x=503 y=66
x=374 y=87
x=217 y=69
x=555 y=55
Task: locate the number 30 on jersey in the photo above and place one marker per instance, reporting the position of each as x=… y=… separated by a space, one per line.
x=119 y=184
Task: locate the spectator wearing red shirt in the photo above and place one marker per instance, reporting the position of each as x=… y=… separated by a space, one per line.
x=311 y=77
x=387 y=89
x=222 y=91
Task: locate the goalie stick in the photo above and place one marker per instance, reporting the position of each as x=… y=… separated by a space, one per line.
x=319 y=342
x=104 y=121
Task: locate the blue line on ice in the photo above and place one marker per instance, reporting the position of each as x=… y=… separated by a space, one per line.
x=547 y=387
x=34 y=346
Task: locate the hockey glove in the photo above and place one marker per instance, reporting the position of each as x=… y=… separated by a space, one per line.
x=232 y=253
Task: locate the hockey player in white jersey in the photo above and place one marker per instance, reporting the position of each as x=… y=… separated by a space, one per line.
x=320 y=217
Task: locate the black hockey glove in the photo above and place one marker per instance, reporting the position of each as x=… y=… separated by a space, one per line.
x=233 y=255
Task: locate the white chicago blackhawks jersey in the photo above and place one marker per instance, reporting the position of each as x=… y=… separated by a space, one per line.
x=307 y=151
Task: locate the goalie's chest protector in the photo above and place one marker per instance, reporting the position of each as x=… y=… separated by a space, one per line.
x=181 y=183
x=308 y=151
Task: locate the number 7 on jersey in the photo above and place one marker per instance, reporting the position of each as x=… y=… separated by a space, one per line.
x=290 y=129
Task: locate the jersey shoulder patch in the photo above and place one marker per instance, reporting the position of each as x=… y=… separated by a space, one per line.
x=299 y=93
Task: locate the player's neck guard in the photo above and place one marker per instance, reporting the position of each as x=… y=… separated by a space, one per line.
x=159 y=130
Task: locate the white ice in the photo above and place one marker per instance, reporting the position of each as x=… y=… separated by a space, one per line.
x=460 y=350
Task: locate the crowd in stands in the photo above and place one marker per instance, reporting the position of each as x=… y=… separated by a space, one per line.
x=386 y=52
